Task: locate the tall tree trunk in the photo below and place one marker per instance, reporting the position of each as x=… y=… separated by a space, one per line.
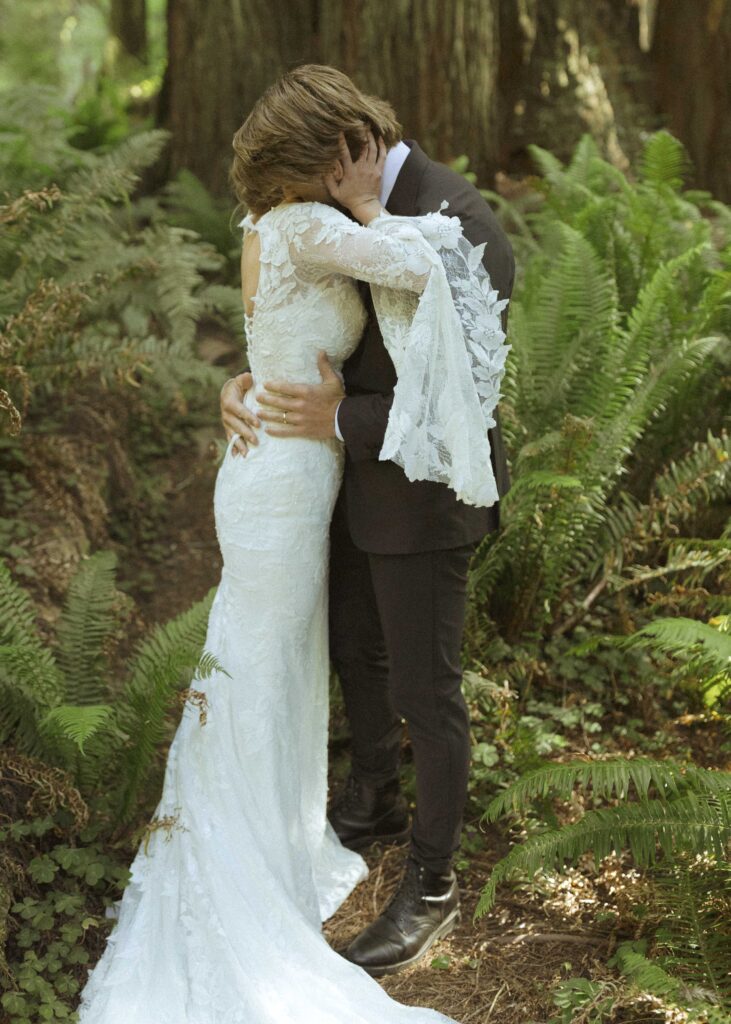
x=435 y=61
x=477 y=77
x=222 y=54
x=128 y=22
x=691 y=56
x=566 y=68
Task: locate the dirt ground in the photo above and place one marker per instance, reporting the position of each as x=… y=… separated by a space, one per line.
x=501 y=968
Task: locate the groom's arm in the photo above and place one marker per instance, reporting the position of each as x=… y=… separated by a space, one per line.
x=362 y=422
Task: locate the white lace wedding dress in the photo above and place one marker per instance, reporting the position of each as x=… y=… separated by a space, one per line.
x=221 y=921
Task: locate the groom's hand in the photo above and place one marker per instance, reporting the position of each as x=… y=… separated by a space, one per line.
x=302 y=410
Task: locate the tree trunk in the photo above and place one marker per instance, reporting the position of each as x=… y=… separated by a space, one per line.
x=691 y=56
x=482 y=78
x=222 y=54
x=435 y=61
x=568 y=67
x=128 y=22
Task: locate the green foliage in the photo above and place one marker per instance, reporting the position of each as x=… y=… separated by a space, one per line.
x=30 y=681
x=51 y=695
x=56 y=878
x=619 y=323
x=57 y=872
x=580 y=998
x=188 y=204
x=672 y=818
x=93 y=292
x=615 y=778
x=172 y=652
x=85 y=625
x=76 y=723
x=697 y=824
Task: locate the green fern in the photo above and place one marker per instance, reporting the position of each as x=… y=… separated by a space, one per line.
x=117 y=290
x=77 y=724
x=647 y=975
x=693 y=940
x=614 y=778
x=84 y=627
x=619 y=327
x=664 y=161
x=700 y=823
x=165 y=662
x=30 y=681
x=109 y=748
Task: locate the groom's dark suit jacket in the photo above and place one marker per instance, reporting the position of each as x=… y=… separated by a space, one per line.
x=387 y=513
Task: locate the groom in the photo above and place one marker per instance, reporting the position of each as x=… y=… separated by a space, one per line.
x=400 y=553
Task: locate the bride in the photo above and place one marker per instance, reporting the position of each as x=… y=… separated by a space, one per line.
x=221 y=920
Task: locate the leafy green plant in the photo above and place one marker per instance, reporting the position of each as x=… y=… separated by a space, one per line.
x=62 y=702
x=92 y=291
x=673 y=819
x=57 y=876
x=620 y=321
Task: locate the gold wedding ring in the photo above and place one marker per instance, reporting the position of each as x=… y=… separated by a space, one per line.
x=284 y=418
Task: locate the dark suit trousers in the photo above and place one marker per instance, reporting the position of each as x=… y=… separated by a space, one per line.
x=396 y=624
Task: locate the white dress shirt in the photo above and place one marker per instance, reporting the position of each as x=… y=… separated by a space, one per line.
x=395 y=159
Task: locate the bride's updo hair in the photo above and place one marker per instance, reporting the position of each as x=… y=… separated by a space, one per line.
x=290 y=138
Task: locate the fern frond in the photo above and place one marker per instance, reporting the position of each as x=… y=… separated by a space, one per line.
x=77 y=724
x=30 y=681
x=693 y=941
x=692 y=824
x=646 y=974
x=167 y=661
x=664 y=161
x=614 y=778
x=85 y=624
x=707 y=648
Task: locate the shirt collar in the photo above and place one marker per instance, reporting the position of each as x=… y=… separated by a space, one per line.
x=395 y=159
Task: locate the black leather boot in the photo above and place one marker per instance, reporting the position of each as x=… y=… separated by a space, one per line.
x=424 y=908
x=366 y=813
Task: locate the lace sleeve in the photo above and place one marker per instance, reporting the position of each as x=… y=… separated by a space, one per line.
x=449 y=351
x=325 y=241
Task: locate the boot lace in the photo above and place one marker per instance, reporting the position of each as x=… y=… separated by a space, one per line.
x=407 y=897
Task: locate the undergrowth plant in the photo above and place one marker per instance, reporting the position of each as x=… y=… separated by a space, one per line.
x=93 y=290
x=79 y=767
x=674 y=820
x=65 y=704
x=613 y=399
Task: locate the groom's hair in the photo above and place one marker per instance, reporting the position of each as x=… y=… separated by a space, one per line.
x=291 y=135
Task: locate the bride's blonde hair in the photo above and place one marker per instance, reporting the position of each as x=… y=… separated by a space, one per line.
x=290 y=137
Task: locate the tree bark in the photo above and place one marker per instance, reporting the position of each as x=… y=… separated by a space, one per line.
x=691 y=56
x=483 y=78
x=567 y=68
x=222 y=54
x=435 y=61
x=128 y=22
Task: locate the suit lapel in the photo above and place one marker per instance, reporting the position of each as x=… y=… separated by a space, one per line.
x=402 y=201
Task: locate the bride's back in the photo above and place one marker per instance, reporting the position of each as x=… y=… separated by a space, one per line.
x=290 y=314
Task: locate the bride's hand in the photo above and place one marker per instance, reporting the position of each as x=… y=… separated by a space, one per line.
x=237 y=418
x=357 y=184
